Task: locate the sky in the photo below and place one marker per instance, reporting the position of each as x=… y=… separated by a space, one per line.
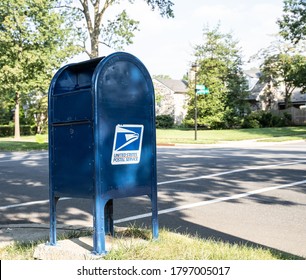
x=165 y=45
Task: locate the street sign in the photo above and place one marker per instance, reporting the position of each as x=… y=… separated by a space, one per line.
x=204 y=91
x=201 y=89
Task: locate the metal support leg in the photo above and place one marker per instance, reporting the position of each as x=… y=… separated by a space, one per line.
x=53 y=203
x=153 y=198
x=99 y=223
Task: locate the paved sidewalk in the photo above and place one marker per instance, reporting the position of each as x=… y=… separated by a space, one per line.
x=31 y=232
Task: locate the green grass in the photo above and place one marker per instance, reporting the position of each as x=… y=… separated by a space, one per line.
x=18 y=251
x=180 y=136
x=169 y=246
x=26 y=143
x=18 y=146
x=173 y=136
x=174 y=246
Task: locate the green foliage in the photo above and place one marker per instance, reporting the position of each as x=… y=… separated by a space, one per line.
x=164 y=121
x=293 y=23
x=220 y=70
x=8 y=130
x=120 y=31
x=114 y=33
x=37 y=110
x=5 y=113
x=34 y=41
x=164 y=6
x=285 y=69
x=261 y=119
x=33 y=44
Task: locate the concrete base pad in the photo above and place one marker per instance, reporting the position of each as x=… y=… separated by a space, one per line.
x=70 y=249
x=80 y=248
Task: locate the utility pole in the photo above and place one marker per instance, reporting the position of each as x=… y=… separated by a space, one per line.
x=195 y=69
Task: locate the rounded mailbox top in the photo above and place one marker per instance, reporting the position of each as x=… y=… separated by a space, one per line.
x=122 y=78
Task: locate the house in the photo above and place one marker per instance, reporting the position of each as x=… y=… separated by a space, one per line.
x=264 y=96
x=171 y=98
x=298 y=99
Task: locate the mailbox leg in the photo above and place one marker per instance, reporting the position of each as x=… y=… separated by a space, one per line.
x=99 y=223
x=53 y=203
x=153 y=198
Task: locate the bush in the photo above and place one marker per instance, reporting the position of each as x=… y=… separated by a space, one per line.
x=265 y=119
x=9 y=130
x=250 y=122
x=164 y=121
x=6 y=130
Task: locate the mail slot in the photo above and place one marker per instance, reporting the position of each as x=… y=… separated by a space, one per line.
x=102 y=143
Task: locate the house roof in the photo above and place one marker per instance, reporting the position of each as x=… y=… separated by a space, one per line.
x=179 y=86
x=256 y=90
x=296 y=97
x=253 y=73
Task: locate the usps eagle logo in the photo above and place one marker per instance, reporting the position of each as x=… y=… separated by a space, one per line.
x=127 y=144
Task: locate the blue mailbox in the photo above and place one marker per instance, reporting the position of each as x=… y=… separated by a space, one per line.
x=102 y=142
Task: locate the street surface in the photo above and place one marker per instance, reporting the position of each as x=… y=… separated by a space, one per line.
x=253 y=194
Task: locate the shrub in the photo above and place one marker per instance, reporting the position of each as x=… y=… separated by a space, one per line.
x=164 y=121
x=9 y=130
x=6 y=130
x=265 y=119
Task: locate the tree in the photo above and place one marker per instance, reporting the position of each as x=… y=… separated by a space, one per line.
x=113 y=33
x=293 y=23
x=285 y=70
x=34 y=41
x=220 y=71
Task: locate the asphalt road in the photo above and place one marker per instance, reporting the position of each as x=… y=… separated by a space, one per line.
x=254 y=193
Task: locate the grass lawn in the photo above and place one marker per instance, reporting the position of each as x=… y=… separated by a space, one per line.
x=169 y=246
x=26 y=143
x=168 y=136
x=179 y=136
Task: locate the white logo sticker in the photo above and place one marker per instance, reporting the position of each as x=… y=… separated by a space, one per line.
x=127 y=144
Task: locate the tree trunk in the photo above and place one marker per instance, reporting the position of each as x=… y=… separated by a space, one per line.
x=94 y=45
x=287 y=99
x=16 y=117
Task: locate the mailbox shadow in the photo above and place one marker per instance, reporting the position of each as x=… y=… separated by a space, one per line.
x=177 y=224
x=82 y=244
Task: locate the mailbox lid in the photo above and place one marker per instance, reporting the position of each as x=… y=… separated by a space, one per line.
x=124 y=127
x=70 y=95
